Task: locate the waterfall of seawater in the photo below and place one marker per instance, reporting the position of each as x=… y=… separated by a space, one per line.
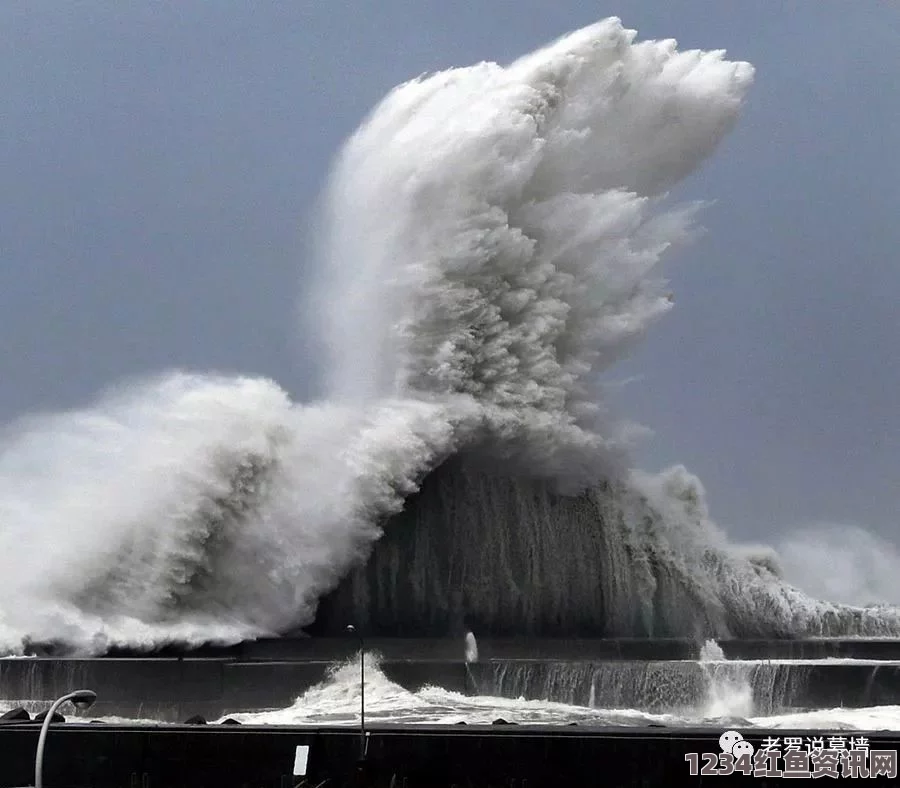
x=744 y=688
x=730 y=691
x=477 y=548
x=709 y=687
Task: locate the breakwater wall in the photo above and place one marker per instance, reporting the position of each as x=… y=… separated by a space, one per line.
x=171 y=690
x=319 y=649
x=451 y=649
x=687 y=686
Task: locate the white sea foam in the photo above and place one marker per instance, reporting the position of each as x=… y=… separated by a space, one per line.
x=337 y=701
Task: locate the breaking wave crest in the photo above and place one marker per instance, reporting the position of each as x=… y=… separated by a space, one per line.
x=490 y=242
x=196 y=509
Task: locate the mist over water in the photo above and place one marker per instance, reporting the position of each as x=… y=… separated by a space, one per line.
x=842 y=563
x=489 y=246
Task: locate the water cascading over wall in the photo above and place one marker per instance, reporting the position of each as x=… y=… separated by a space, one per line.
x=678 y=687
x=505 y=554
x=508 y=556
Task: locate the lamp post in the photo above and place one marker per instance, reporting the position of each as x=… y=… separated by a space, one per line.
x=81 y=699
x=362 y=692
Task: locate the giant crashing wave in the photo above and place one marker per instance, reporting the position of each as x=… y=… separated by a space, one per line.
x=490 y=240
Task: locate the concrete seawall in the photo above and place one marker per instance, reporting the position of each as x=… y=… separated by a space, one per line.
x=683 y=686
x=106 y=756
x=171 y=690
x=451 y=649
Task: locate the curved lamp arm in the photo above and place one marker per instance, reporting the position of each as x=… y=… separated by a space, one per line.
x=83 y=699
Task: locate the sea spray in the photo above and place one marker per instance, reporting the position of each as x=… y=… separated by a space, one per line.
x=196 y=510
x=496 y=232
x=729 y=689
x=490 y=245
x=336 y=702
x=471 y=648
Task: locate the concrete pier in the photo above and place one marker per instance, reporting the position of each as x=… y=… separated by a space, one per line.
x=223 y=756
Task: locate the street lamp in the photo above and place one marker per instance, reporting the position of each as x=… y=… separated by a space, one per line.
x=81 y=699
x=362 y=692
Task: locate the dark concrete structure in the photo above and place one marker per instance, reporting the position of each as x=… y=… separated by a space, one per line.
x=103 y=756
x=330 y=649
x=659 y=675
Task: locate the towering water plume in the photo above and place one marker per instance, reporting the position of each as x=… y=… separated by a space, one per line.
x=489 y=246
x=494 y=232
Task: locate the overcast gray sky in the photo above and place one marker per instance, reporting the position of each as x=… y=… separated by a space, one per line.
x=159 y=160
